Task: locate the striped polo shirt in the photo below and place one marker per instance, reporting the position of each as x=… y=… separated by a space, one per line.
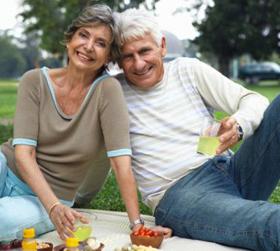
x=165 y=121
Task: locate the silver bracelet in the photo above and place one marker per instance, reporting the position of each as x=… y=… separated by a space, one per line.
x=136 y=222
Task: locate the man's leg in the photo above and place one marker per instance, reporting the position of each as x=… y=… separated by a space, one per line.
x=207 y=205
x=256 y=165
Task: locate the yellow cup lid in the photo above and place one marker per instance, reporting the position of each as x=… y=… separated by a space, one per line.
x=29 y=233
x=72 y=242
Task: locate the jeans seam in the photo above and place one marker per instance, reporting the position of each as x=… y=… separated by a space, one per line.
x=251 y=233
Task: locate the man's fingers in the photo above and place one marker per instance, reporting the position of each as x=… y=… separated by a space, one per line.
x=227 y=144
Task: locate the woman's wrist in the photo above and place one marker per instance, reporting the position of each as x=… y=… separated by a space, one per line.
x=52 y=207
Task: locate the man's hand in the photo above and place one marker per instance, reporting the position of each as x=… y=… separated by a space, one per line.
x=228 y=134
x=141 y=230
x=167 y=232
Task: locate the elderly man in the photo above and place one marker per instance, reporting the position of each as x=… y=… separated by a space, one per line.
x=222 y=198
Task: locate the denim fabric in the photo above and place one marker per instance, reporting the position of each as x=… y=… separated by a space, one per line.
x=19 y=207
x=224 y=200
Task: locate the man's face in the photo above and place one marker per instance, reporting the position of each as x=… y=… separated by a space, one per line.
x=142 y=61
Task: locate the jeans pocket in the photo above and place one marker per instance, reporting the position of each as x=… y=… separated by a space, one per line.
x=221 y=164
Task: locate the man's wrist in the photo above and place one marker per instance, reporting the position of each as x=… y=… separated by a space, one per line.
x=240 y=132
x=136 y=222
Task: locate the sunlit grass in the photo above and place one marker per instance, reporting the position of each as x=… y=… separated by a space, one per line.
x=8 y=90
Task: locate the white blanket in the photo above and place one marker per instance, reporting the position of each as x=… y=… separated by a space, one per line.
x=112 y=229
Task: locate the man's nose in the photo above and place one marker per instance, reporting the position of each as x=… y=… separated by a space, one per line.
x=139 y=63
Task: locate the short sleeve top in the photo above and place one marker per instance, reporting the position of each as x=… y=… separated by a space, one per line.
x=66 y=145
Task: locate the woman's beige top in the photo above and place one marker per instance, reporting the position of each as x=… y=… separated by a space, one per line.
x=66 y=146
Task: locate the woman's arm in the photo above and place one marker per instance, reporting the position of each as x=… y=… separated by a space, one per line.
x=127 y=185
x=62 y=216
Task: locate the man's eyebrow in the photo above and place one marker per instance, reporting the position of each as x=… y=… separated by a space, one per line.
x=143 y=49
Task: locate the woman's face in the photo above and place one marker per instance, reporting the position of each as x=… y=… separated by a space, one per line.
x=89 y=48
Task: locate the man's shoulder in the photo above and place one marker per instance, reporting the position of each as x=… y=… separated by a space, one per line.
x=182 y=60
x=121 y=78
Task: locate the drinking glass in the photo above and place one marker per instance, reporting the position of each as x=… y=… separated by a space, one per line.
x=208 y=139
x=83 y=230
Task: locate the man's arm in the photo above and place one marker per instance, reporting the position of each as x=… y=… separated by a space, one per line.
x=222 y=94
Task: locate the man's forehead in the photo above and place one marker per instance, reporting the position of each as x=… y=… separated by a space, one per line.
x=142 y=41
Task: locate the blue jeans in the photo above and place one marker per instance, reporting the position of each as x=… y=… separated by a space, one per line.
x=19 y=207
x=225 y=200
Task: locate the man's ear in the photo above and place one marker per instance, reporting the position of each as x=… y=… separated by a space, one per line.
x=163 y=47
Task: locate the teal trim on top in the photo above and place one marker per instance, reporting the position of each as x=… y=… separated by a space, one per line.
x=92 y=88
x=24 y=141
x=119 y=152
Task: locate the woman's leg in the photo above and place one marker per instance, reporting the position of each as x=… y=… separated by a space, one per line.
x=21 y=212
x=207 y=205
x=19 y=207
x=3 y=173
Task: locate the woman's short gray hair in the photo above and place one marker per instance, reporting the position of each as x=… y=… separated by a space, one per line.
x=99 y=14
x=134 y=24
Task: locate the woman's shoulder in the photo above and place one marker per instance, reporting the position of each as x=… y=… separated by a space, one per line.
x=109 y=83
x=31 y=76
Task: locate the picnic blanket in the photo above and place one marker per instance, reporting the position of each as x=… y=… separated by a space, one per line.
x=112 y=229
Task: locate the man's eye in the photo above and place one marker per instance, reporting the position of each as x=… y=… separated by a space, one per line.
x=126 y=57
x=145 y=51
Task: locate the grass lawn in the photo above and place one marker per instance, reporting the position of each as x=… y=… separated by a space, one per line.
x=8 y=91
x=109 y=197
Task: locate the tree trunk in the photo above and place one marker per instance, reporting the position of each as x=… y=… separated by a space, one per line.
x=224 y=65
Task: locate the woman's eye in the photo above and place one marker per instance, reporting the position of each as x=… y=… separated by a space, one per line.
x=101 y=44
x=82 y=34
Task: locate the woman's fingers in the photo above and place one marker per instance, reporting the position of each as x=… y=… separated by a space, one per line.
x=63 y=218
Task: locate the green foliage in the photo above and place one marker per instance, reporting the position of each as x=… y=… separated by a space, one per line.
x=11 y=60
x=232 y=28
x=50 y=18
x=6 y=132
x=109 y=198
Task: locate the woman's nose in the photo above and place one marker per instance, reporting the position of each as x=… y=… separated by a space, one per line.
x=89 y=46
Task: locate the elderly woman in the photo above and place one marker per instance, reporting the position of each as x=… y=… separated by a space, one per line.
x=65 y=119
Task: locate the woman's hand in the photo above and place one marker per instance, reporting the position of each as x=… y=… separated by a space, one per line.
x=64 y=218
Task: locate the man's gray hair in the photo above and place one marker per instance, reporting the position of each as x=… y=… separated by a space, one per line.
x=97 y=14
x=134 y=24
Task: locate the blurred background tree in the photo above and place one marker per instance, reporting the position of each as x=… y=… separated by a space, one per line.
x=50 y=18
x=12 y=62
x=232 y=28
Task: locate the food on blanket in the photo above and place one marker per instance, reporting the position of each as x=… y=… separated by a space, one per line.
x=44 y=246
x=146 y=237
x=90 y=244
x=136 y=248
x=93 y=245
